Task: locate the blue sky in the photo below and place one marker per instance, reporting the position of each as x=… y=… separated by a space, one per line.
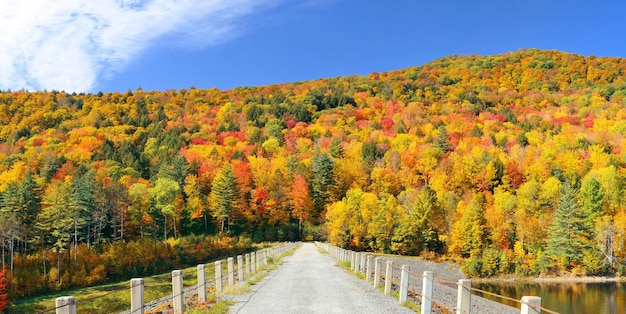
x=114 y=45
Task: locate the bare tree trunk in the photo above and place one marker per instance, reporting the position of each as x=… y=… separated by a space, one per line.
x=58 y=266
x=11 y=277
x=75 y=242
x=174 y=219
x=165 y=227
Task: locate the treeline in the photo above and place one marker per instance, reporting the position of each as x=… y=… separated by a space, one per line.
x=493 y=160
x=84 y=266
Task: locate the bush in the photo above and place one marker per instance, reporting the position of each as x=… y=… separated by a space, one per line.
x=473 y=266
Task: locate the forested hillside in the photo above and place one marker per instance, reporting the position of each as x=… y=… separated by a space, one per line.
x=512 y=163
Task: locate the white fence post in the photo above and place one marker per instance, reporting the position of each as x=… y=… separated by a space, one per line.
x=231 y=271
x=464 y=298
x=368 y=269
x=136 y=295
x=240 y=267
x=178 y=300
x=427 y=292
x=218 y=276
x=247 y=265
x=531 y=305
x=377 y=272
x=66 y=305
x=201 y=283
x=404 y=284
x=253 y=262
x=362 y=263
x=388 y=276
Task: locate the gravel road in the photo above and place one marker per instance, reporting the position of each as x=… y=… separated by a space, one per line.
x=311 y=282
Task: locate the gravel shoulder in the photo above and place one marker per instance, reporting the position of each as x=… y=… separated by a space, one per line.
x=311 y=282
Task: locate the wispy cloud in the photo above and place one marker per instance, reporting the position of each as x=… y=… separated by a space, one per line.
x=71 y=44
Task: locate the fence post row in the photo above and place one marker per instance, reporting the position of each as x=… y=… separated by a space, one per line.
x=253 y=262
x=136 y=295
x=360 y=261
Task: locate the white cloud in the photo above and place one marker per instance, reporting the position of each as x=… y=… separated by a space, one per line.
x=70 y=44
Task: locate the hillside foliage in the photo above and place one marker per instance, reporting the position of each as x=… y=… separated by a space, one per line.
x=511 y=163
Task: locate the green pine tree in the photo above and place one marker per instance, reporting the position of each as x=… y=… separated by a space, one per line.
x=321 y=182
x=565 y=240
x=223 y=195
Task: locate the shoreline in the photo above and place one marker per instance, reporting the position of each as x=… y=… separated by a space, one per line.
x=552 y=280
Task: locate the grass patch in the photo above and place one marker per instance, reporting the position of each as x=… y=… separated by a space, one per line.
x=211 y=306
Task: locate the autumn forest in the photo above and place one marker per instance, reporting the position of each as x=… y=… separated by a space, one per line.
x=507 y=164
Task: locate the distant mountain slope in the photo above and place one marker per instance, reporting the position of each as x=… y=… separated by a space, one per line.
x=514 y=162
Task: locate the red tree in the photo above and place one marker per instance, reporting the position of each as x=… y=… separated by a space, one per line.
x=3 y=288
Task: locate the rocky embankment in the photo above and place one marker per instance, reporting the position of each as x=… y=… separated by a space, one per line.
x=444 y=294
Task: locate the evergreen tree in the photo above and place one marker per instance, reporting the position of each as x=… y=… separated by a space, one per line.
x=442 y=141
x=223 y=195
x=56 y=220
x=565 y=234
x=335 y=149
x=30 y=203
x=321 y=182
x=591 y=202
x=417 y=232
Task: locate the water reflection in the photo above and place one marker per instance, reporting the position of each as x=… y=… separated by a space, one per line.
x=565 y=298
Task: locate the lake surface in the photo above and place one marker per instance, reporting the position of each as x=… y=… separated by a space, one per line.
x=565 y=298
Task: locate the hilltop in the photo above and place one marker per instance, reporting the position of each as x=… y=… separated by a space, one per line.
x=511 y=163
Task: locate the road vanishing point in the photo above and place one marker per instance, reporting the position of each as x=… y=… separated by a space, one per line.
x=311 y=282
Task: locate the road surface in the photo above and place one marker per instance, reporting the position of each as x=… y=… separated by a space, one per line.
x=311 y=282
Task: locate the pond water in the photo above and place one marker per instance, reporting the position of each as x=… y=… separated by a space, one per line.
x=565 y=298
